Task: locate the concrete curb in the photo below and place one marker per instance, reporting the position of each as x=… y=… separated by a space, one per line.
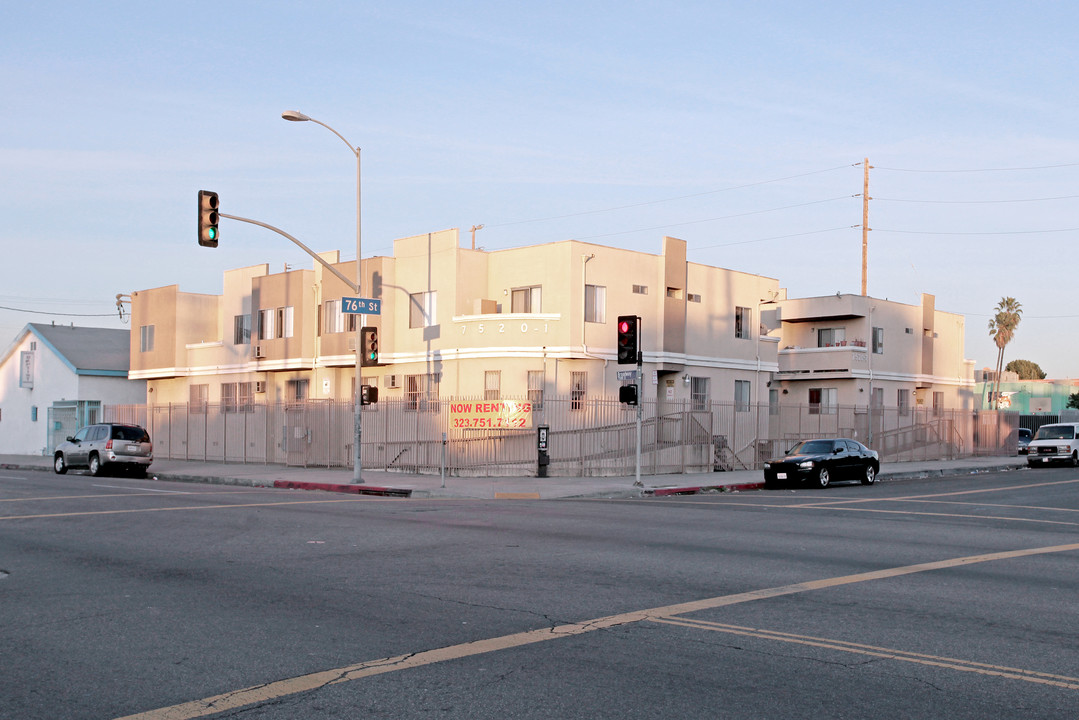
x=350 y=489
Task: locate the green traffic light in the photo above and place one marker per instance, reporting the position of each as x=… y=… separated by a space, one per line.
x=212 y=232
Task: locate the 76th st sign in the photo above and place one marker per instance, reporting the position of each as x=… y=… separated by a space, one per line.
x=361 y=306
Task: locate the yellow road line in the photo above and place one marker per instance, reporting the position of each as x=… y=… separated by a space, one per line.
x=313 y=681
x=1064 y=681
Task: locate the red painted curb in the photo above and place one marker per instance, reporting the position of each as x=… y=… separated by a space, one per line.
x=350 y=489
x=693 y=490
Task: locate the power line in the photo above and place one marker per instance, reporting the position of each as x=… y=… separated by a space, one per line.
x=46 y=312
x=776 y=237
x=977 y=202
x=724 y=217
x=977 y=170
x=671 y=199
x=1012 y=232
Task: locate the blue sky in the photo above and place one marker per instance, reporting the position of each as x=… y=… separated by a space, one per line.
x=738 y=127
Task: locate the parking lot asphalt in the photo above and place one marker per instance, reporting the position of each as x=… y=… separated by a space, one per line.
x=401 y=484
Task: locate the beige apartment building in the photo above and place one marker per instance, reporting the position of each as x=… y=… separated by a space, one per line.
x=862 y=351
x=455 y=322
x=733 y=370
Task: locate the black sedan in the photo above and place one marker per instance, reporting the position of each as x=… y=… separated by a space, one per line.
x=819 y=462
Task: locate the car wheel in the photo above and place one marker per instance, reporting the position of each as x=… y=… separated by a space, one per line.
x=1075 y=459
x=870 y=475
x=95 y=465
x=58 y=464
x=823 y=477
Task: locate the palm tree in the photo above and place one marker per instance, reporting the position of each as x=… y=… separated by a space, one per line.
x=1002 y=330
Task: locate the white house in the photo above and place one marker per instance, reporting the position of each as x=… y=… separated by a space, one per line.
x=56 y=378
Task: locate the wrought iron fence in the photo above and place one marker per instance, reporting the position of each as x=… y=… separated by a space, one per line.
x=589 y=437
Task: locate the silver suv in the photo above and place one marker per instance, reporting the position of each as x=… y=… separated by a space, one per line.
x=106 y=446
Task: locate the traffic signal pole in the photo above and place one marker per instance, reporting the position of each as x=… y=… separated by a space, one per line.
x=640 y=395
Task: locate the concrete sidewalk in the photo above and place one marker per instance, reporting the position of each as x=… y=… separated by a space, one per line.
x=395 y=484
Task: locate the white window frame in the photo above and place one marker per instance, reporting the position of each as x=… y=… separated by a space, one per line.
x=595 y=303
x=422 y=308
x=146 y=338
x=743 y=318
x=743 y=395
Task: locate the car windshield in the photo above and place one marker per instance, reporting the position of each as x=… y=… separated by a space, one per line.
x=811 y=447
x=1055 y=432
x=130 y=434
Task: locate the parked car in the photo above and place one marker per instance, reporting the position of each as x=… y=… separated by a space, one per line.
x=1053 y=444
x=106 y=446
x=819 y=462
x=1022 y=440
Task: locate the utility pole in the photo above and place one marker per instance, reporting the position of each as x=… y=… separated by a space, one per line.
x=865 y=226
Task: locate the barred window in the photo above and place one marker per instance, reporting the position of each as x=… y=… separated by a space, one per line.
x=198 y=399
x=535 y=389
x=698 y=393
x=421 y=392
x=578 y=389
x=492 y=385
x=741 y=395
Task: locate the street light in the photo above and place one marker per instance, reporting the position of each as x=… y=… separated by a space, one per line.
x=357 y=475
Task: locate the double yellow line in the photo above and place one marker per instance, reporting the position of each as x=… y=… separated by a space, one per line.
x=668 y=613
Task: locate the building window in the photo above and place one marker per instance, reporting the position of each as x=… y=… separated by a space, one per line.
x=903 y=401
x=831 y=337
x=877 y=397
x=241 y=330
x=578 y=389
x=595 y=303
x=938 y=404
x=198 y=399
x=333 y=320
x=525 y=300
x=422 y=307
x=741 y=395
x=266 y=324
x=535 y=389
x=694 y=297
x=296 y=390
x=492 y=384
x=421 y=392
x=878 y=340
x=640 y=289
x=698 y=393
x=146 y=338
x=674 y=293
x=741 y=322
x=823 y=401
x=228 y=397
x=237 y=397
x=275 y=323
x=773 y=402
x=284 y=322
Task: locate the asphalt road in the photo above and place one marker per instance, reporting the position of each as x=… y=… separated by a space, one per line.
x=927 y=598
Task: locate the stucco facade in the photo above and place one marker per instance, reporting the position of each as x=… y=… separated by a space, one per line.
x=56 y=378
x=461 y=322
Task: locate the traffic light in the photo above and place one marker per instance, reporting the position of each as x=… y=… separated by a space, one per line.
x=629 y=339
x=368 y=394
x=208 y=232
x=628 y=394
x=368 y=346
